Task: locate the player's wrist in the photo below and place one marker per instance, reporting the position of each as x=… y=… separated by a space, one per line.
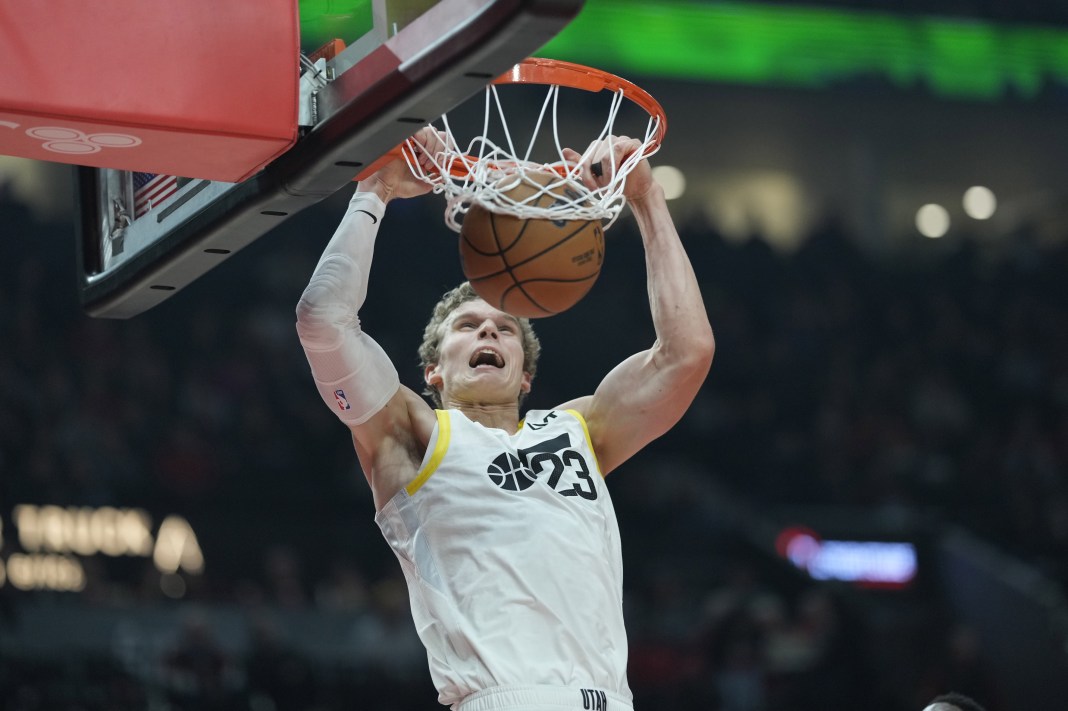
x=369 y=200
x=374 y=185
x=641 y=199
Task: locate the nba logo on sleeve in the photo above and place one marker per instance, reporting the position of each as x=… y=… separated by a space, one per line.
x=342 y=403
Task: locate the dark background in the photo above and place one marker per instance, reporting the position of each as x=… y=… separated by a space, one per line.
x=869 y=384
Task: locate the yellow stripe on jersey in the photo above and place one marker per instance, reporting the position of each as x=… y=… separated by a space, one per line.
x=582 y=420
x=440 y=447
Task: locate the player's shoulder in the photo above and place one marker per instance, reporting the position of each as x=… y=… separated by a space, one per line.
x=540 y=419
x=579 y=405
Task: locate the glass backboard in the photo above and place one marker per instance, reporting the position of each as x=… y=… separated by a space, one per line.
x=372 y=72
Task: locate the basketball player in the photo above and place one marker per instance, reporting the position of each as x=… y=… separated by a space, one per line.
x=504 y=527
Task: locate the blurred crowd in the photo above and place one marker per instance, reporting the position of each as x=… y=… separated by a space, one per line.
x=927 y=382
x=932 y=383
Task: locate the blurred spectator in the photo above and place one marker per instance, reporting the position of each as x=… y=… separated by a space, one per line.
x=388 y=659
x=344 y=589
x=285 y=579
x=196 y=671
x=278 y=678
x=961 y=665
x=953 y=702
x=384 y=640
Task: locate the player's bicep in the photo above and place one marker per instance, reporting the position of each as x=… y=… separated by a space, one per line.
x=638 y=401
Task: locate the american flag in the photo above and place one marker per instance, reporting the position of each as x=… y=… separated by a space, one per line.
x=150 y=190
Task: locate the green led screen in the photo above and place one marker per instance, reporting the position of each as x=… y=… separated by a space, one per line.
x=770 y=45
x=324 y=20
x=814 y=47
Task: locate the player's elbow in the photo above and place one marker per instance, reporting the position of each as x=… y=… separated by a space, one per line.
x=314 y=329
x=704 y=349
x=694 y=366
x=685 y=361
x=315 y=306
x=694 y=355
x=323 y=312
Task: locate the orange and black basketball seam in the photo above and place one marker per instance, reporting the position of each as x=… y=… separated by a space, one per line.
x=496 y=240
x=540 y=280
x=533 y=267
x=508 y=267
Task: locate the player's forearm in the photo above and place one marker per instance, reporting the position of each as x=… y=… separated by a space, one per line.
x=684 y=336
x=338 y=286
x=354 y=375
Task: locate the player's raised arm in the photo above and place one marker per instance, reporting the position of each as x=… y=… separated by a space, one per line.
x=354 y=376
x=646 y=394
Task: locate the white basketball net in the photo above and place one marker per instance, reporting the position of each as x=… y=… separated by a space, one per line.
x=483 y=172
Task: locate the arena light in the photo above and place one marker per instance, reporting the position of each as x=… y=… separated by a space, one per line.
x=876 y=564
x=177 y=547
x=932 y=221
x=52 y=540
x=33 y=571
x=84 y=531
x=671 y=179
x=980 y=202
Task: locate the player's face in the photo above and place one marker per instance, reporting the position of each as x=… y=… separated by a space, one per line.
x=481 y=355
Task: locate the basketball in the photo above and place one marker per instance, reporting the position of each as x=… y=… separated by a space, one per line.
x=530 y=268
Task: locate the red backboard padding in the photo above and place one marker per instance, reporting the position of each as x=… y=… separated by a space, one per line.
x=195 y=88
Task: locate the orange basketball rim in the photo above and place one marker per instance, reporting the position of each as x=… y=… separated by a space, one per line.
x=480 y=171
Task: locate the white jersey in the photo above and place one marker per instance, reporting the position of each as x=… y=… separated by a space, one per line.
x=511 y=551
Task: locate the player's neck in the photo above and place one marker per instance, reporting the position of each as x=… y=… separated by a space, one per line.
x=504 y=417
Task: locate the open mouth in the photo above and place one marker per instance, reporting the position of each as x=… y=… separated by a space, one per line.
x=486 y=356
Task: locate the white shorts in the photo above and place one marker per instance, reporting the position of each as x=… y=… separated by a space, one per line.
x=543 y=698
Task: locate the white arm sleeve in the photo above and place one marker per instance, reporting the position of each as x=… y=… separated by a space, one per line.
x=354 y=375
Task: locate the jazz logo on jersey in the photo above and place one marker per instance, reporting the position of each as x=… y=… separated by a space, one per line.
x=342 y=401
x=543 y=423
x=566 y=469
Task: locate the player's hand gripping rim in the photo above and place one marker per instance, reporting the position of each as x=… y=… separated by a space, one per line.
x=602 y=160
